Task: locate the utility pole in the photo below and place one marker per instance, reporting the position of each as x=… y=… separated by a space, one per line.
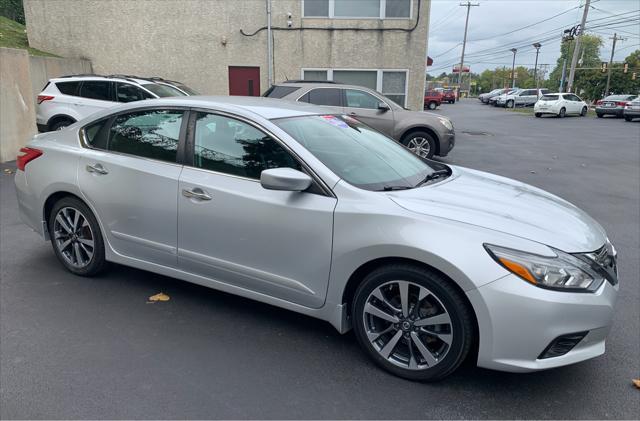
x=564 y=73
x=269 y=47
x=613 y=50
x=576 y=48
x=537 y=46
x=513 y=68
x=468 y=5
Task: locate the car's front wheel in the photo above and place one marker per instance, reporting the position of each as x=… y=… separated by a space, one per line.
x=583 y=112
x=510 y=104
x=412 y=322
x=562 y=112
x=538 y=115
x=76 y=237
x=420 y=143
x=432 y=105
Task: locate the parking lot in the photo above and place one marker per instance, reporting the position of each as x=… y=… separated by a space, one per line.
x=73 y=347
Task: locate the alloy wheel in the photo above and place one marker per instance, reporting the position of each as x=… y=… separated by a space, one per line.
x=73 y=237
x=420 y=146
x=407 y=325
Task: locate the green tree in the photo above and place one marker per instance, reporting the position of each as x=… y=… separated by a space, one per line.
x=589 y=58
x=13 y=10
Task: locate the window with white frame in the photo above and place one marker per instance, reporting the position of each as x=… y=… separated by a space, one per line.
x=357 y=9
x=390 y=83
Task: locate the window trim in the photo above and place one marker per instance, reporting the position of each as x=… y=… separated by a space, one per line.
x=381 y=15
x=180 y=152
x=379 y=78
x=189 y=151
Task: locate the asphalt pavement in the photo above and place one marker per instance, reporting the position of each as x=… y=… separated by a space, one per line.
x=72 y=347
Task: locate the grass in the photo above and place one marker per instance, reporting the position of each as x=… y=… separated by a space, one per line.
x=14 y=35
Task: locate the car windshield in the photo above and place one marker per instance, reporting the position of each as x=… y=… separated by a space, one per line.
x=550 y=98
x=357 y=153
x=162 y=90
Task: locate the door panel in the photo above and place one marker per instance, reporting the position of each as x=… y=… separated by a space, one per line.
x=244 y=81
x=274 y=242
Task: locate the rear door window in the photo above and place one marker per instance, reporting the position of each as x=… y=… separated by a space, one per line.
x=150 y=134
x=323 y=96
x=68 y=88
x=279 y=91
x=96 y=89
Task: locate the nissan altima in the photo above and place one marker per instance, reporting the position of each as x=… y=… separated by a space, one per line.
x=315 y=212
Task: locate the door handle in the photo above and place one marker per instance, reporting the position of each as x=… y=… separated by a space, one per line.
x=97 y=169
x=196 y=193
x=353 y=113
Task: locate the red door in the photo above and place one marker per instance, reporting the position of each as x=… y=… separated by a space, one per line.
x=244 y=81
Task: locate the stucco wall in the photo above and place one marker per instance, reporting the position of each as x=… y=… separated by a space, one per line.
x=44 y=68
x=183 y=40
x=17 y=108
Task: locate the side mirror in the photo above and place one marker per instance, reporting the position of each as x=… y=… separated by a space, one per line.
x=286 y=179
x=383 y=106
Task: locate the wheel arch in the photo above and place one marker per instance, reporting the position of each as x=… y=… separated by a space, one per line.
x=59 y=117
x=57 y=195
x=427 y=129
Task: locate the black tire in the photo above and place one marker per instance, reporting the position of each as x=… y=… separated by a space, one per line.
x=538 y=115
x=627 y=118
x=459 y=312
x=562 y=113
x=406 y=141
x=61 y=124
x=600 y=115
x=510 y=104
x=432 y=105
x=583 y=112
x=97 y=262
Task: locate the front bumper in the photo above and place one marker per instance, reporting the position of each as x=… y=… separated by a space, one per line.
x=517 y=322
x=447 y=142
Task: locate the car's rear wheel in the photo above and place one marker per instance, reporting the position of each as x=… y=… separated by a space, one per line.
x=61 y=124
x=76 y=237
x=432 y=105
x=627 y=118
x=562 y=112
x=583 y=112
x=412 y=322
x=420 y=143
x=600 y=115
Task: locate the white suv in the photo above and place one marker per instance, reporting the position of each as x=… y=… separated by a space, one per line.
x=67 y=99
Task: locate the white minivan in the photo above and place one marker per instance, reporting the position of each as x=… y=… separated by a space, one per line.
x=67 y=99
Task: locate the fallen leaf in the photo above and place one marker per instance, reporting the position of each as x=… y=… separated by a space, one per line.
x=8 y=171
x=159 y=297
x=636 y=382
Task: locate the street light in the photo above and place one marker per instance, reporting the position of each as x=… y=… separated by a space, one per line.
x=513 y=68
x=537 y=46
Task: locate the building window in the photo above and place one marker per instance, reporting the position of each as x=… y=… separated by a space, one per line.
x=390 y=83
x=357 y=9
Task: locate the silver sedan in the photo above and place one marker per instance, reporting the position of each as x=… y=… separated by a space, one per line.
x=286 y=204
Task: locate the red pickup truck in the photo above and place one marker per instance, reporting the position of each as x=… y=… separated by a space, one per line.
x=449 y=96
x=432 y=99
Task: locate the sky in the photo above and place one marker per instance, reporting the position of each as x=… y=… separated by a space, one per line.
x=496 y=26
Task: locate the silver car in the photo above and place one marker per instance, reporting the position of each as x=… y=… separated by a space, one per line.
x=317 y=213
x=425 y=134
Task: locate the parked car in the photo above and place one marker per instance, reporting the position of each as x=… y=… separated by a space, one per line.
x=613 y=105
x=632 y=110
x=433 y=99
x=521 y=98
x=67 y=99
x=560 y=104
x=449 y=96
x=494 y=99
x=425 y=134
x=318 y=213
x=484 y=98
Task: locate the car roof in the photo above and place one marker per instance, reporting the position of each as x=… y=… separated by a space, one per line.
x=268 y=108
x=328 y=84
x=74 y=78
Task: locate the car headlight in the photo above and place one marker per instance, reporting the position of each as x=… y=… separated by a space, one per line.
x=563 y=272
x=446 y=123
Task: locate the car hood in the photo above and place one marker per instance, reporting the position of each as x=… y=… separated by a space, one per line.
x=508 y=206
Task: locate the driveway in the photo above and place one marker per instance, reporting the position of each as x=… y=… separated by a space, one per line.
x=94 y=348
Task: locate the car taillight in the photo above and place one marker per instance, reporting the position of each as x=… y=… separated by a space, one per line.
x=43 y=98
x=28 y=155
x=598 y=102
x=621 y=103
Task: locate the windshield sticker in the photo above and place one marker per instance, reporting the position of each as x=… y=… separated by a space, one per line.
x=334 y=121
